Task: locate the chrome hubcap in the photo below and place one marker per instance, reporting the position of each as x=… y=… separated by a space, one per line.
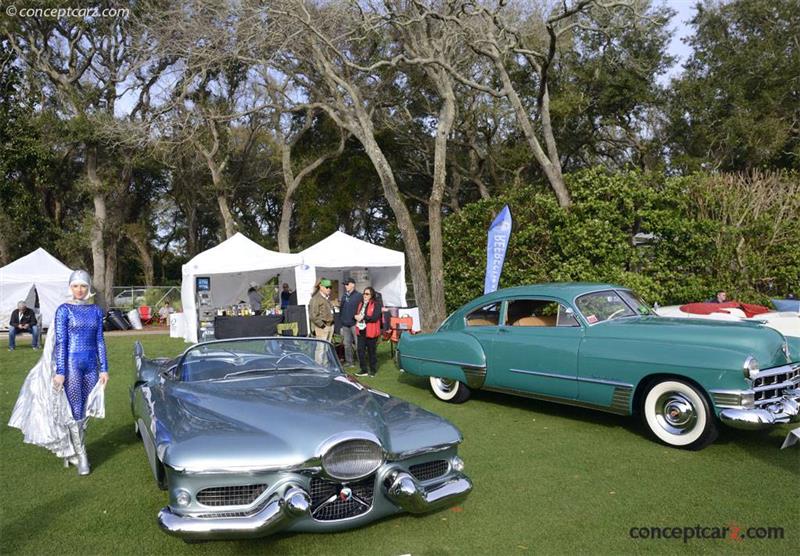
x=675 y=413
x=445 y=385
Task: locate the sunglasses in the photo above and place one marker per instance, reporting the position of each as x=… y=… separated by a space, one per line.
x=367 y=294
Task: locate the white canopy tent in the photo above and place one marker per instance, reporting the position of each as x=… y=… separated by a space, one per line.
x=340 y=256
x=37 y=272
x=231 y=266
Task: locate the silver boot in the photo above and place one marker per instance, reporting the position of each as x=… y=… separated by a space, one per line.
x=76 y=436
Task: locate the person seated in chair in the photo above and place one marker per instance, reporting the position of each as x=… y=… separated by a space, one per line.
x=164 y=313
x=23 y=320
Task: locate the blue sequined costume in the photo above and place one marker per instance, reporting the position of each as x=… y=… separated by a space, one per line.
x=80 y=352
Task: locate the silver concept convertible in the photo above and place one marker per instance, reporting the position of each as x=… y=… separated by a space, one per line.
x=258 y=435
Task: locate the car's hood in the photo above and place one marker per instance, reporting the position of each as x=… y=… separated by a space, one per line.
x=262 y=422
x=746 y=338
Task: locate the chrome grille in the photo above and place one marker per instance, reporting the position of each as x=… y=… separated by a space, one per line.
x=327 y=504
x=769 y=385
x=230 y=495
x=429 y=470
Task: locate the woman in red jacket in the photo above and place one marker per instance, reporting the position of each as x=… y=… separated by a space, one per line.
x=368 y=330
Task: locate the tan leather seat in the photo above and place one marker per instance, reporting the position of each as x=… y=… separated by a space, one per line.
x=477 y=321
x=535 y=321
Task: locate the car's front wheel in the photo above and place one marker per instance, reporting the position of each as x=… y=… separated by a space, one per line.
x=449 y=390
x=679 y=415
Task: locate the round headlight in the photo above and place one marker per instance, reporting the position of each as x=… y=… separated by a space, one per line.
x=352 y=459
x=183 y=498
x=457 y=464
x=751 y=367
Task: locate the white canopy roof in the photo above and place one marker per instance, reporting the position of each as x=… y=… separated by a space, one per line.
x=339 y=254
x=232 y=265
x=39 y=270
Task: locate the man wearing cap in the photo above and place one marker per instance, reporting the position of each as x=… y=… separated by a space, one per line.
x=320 y=313
x=23 y=320
x=347 y=314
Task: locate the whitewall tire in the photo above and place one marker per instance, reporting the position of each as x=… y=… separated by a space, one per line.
x=679 y=415
x=449 y=390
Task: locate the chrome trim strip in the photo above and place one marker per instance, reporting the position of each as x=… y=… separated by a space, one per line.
x=457 y=363
x=613 y=408
x=575 y=378
x=419 y=451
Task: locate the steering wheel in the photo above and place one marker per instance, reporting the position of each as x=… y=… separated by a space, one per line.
x=615 y=313
x=299 y=355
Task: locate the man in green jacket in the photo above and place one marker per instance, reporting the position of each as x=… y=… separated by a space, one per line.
x=320 y=313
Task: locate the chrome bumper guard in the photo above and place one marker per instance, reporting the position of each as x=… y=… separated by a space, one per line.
x=785 y=410
x=405 y=491
x=277 y=514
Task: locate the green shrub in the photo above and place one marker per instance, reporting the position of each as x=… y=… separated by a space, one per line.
x=703 y=236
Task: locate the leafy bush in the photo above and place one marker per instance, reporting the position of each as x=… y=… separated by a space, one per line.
x=700 y=233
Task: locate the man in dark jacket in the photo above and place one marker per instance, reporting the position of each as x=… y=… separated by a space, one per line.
x=347 y=314
x=23 y=320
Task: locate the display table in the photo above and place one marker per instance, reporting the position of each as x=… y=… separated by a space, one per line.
x=246 y=327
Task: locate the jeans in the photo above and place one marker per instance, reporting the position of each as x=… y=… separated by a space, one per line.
x=349 y=340
x=368 y=345
x=12 y=336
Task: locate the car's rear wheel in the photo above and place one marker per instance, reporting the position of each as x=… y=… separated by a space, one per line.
x=679 y=415
x=449 y=390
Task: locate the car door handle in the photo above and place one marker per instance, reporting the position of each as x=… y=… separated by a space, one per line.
x=503 y=330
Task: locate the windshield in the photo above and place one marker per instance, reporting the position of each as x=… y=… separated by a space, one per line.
x=601 y=306
x=231 y=359
x=639 y=306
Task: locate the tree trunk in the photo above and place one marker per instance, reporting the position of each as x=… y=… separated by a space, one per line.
x=551 y=168
x=111 y=270
x=447 y=114
x=145 y=257
x=98 y=227
x=416 y=260
x=191 y=230
x=288 y=203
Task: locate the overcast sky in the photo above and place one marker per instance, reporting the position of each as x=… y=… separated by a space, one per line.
x=686 y=11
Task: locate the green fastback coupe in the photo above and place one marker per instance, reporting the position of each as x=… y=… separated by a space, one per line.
x=600 y=346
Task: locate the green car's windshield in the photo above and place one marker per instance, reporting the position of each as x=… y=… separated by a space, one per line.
x=228 y=359
x=639 y=306
x=608 y=305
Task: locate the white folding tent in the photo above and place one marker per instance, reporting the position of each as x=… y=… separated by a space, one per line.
x=231 y=266
x=38 y=270
x=339 y=256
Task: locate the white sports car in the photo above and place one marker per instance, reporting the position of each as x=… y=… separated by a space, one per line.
x=785 y=322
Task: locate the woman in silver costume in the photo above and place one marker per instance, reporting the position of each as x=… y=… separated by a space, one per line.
x=66 y=386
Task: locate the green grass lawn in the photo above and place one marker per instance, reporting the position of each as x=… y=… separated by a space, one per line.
x=548 y=479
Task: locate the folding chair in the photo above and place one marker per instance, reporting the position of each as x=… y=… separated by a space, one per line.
x=145 y=314
x=397 y=325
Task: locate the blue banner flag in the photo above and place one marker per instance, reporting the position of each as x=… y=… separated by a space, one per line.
x=499 y=233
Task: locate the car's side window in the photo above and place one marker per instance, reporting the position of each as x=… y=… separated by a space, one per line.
x=566 y=317
x=488 y=315
x=537 y=312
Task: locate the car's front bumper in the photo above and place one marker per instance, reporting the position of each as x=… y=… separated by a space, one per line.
x=292 y=508
x=278 y=513
x=785 y=410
